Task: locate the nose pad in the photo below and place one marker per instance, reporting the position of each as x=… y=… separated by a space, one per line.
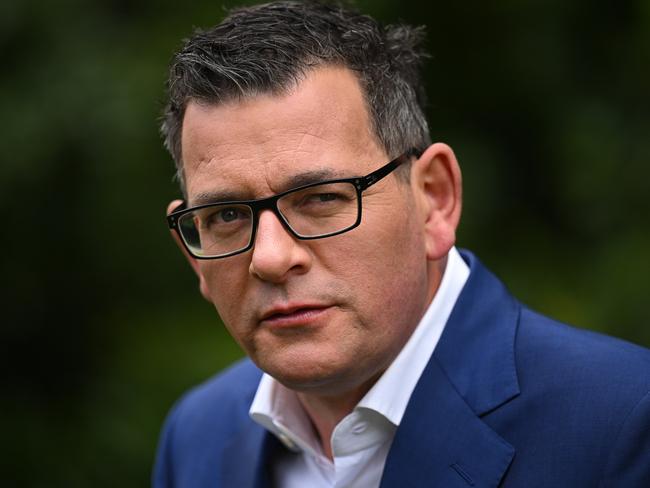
x=276 y=251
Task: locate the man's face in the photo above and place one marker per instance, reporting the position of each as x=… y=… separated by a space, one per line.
x=328 y=315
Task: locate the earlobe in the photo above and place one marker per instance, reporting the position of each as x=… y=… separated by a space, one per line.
x=436 y=181
x=194 y=263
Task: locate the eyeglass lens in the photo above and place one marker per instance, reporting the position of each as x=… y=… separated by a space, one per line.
x=316 y=211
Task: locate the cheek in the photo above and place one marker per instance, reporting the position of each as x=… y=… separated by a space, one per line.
x=395 y=240
x=225 y=282
x=385 y=261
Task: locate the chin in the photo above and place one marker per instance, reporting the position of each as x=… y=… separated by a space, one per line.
x=318 y=379
x=304 y=378
x=291 y=368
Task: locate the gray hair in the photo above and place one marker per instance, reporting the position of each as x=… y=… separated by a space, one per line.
x=269 y=48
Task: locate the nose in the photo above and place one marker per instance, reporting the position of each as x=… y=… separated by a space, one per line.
x=276 y=254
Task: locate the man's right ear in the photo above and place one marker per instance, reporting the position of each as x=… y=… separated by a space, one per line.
x=191 y=259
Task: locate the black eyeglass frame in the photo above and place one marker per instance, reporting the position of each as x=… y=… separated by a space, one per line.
x=360 y=183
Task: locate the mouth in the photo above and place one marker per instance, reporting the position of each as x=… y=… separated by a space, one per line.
x=293 y=315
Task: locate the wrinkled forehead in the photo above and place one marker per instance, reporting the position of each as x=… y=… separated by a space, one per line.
x=259 y=145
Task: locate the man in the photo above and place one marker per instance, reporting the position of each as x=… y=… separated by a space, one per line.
x=320 y=221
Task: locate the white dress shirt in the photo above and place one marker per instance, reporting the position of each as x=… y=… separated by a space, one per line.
x=360 y=442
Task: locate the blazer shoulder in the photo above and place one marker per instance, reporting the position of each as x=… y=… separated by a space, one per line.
x=583 y=411
x=227 y=394
x=553 y=357
x=564 y=345
x=200 y=425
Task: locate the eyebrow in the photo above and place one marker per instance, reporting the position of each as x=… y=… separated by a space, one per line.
x=295 y=181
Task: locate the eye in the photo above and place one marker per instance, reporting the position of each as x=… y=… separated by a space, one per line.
x=223 y=217
x=325 y=200
x=323 y=197
x=229 y=214
x=332 y=194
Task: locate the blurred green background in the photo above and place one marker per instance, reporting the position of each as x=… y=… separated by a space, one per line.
x=546 y=103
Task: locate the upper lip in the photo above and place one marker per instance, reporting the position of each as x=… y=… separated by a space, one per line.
x=285 y=309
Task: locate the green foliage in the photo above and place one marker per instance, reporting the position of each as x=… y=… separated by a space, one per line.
x=546 y=104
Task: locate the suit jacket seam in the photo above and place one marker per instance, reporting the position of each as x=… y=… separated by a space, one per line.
x=606 y=467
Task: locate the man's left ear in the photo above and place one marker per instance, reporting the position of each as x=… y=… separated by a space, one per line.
x=436 y=183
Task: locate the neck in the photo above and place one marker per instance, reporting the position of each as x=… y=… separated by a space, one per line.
x=325 y=412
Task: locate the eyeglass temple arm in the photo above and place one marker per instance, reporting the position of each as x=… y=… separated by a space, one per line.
x=377 y=175
x=171 y=220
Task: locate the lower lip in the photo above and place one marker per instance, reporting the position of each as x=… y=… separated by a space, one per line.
x=299 y=318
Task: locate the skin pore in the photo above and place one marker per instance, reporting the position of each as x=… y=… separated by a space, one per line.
x=324 y=317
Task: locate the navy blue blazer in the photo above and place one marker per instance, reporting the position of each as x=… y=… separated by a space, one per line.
x=509 y=398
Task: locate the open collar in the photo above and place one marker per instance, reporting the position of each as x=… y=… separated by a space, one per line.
x=442 y=440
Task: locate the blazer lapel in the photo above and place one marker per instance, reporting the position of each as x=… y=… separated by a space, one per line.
x=247 y=458
x=442 y=441
x=477 y=348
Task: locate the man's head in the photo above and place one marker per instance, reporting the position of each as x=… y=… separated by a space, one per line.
x=268 y=49
x=328 y=315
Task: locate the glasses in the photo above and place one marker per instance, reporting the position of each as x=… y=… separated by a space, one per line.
x=314 y=211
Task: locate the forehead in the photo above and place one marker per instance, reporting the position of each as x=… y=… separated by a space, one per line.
x=257 y=146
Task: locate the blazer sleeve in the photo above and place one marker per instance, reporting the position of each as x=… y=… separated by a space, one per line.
x=629 y=460
x=163 y=472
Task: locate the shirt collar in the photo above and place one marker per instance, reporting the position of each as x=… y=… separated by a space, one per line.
x=278 y=409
